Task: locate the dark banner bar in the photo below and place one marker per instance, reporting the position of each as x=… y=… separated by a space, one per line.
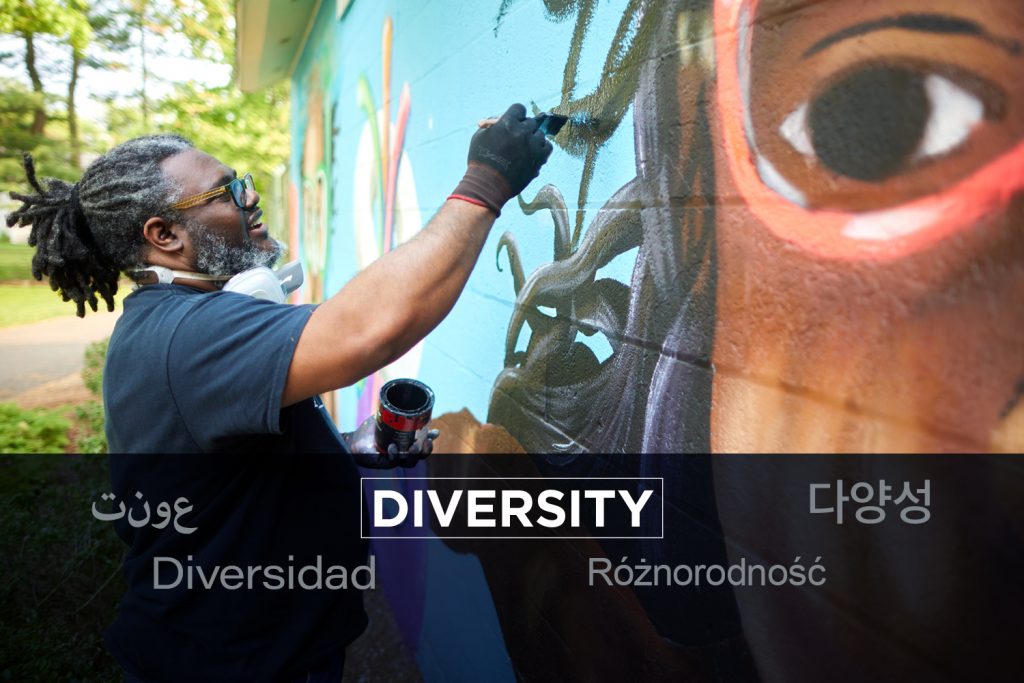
x=729 y=568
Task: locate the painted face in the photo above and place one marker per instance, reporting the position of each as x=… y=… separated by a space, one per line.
x=224 y=239
x=839 y=264
x=872 y=130
x=871 y=193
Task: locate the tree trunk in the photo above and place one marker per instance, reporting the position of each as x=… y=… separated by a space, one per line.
x=39 y=115
x=76 y=147
x=145 y=70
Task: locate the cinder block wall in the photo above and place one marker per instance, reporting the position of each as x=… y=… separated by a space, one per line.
x=775 y=226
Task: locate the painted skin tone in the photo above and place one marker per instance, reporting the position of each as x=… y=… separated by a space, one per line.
x=827 y=344
x=912 y=343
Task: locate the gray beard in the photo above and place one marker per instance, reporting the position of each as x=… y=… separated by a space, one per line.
x=214 y=256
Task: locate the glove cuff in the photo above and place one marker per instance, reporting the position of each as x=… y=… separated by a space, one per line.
x=483 y=186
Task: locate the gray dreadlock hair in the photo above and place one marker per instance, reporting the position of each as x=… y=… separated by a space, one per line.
x=88 y=233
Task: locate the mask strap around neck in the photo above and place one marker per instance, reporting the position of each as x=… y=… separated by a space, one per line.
x=165 y=276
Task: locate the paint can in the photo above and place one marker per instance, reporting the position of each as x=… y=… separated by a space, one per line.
x=402 y=413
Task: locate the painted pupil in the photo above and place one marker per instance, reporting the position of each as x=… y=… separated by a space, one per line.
x=868 y=125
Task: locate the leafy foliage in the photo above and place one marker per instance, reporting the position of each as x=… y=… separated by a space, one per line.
x=92 y=373
x=90 y=433
x=49 y=430
x=248 y=131
x=65 y=20
x=17 y=103
x=17 y=106
x=32 y=431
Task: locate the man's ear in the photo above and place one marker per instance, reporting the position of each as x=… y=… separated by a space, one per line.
x=163 y=236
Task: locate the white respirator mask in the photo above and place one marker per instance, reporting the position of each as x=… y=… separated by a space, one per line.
x=260 y=282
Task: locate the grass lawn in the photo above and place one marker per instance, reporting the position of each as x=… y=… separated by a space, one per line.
x=26 y=303
x=62 y=569
x=24 y=300
x=16 y=261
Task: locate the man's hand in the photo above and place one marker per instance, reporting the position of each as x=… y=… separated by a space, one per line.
x=361 y=443
x=503 y=159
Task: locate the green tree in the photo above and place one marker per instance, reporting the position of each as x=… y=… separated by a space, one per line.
x=209 y=27
x=40 y=23
x=31 y=18
x=247 y=131
x=17 y=110
x=111 y=37
x=18 y=105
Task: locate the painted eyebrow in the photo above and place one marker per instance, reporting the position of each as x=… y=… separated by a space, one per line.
x=926 y=23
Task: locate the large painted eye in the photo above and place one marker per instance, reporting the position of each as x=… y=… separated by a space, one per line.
x=881 y=120
x=855 y=129
x=877 y=133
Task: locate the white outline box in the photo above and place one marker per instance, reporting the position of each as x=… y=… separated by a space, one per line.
x=362 y=490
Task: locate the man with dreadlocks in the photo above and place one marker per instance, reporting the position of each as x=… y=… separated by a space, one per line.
x=192 y=368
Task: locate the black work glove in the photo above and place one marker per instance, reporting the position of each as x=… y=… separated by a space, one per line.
x=364 y=448
x=503 y=159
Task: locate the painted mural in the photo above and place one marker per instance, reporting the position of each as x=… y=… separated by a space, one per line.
x=384 y=207
x=829 y=259
x=774 y=225
x=385 y=210
x=316 y=166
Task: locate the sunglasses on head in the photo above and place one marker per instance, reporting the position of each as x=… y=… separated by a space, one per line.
x=238 y=188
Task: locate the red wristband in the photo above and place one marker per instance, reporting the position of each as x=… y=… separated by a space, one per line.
x=483 y=186
x=470 y=200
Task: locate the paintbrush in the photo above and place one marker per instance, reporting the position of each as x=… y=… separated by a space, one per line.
x=550 y=124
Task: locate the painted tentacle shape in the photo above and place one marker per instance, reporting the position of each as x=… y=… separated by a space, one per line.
x=557 y=284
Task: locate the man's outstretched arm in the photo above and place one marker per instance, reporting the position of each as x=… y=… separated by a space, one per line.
x=397 y=300
x=390 y=305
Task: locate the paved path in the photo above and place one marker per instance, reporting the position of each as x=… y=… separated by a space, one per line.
x=41 y=361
